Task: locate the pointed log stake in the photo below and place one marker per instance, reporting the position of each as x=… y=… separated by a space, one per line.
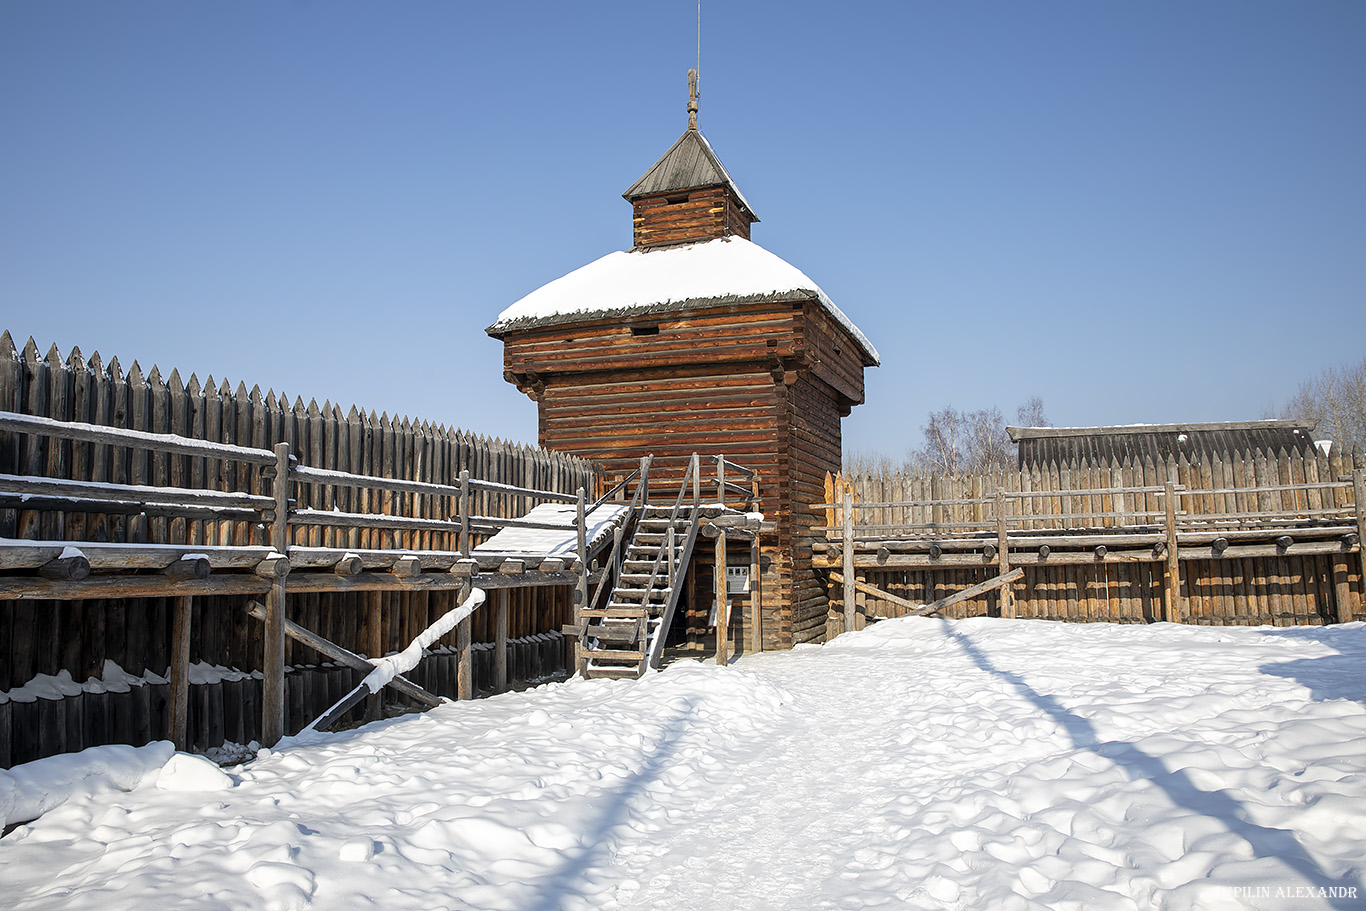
x=72 y=567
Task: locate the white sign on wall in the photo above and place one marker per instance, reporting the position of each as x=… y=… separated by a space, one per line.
x=737 y=580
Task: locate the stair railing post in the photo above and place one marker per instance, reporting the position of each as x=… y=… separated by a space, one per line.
x=694 y=466
x=644 y=481
x=669 y=544
x=721 y=480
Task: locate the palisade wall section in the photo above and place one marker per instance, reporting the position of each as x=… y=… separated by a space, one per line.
x=81 y=673
x=1291 y=524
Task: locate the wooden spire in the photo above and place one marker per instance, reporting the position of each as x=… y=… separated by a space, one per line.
x=692 y=99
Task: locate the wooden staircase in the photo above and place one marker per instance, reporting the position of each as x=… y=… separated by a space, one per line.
x=626 y=637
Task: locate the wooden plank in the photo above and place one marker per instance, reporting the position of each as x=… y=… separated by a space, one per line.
x=847 y=521
x=966 y=594
x=180 y=671
x=273 y=656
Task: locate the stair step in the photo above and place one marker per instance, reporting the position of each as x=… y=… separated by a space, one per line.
x=610 y=654
x=632 y=610
x=618 y=635
x=612 y=673
x=616 y=611
x=639 y=594
x=643 y=578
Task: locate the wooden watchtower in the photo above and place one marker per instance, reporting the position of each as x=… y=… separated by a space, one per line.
x=698 y=340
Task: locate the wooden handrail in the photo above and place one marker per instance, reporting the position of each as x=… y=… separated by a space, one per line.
x=137 y=439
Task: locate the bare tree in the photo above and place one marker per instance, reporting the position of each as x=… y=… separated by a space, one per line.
x=987 y=446
x=1030 y=414
x=1336 y=398
x=868 y=462
x=958 y=442
x=943 y=440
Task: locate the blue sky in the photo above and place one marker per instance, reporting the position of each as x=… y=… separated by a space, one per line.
x=1141 y=212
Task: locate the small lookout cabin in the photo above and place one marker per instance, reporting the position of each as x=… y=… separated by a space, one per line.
x=697 y=340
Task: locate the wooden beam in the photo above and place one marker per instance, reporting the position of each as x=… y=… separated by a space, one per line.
x=343 y=656
x=500 y=641
x=1359 y=495
x=921 y=609
x=464 y=650
x=36 y=588
x=273 y=644
x=1007 y=597
x=848 y=530
x=374 y=647
x=72 y=567
x=1175 y=608
x=180 y=672
x=722 y=604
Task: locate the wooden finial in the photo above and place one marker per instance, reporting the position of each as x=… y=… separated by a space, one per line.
x=692 y=99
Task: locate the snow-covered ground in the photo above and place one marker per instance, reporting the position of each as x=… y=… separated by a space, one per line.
x=921 y=763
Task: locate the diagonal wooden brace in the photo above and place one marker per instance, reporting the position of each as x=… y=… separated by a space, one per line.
x=350 y=659
x=920 y=609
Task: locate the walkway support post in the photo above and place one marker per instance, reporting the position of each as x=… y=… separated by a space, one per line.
x=273 y=661
x=581 y=586
x=1173 y=580
x=180 y=672
x=756 y=636
x=500 y=640
x=722 y=603
x=848 y=517
x=1003 y=555
x=1359 y=493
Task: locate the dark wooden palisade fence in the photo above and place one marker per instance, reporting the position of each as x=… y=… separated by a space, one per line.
x=1231 y=539
x=81 y=672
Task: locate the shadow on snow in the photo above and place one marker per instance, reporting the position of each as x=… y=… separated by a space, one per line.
x=1266 y=841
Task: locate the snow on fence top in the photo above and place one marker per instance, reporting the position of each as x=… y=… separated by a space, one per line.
x=724 y=270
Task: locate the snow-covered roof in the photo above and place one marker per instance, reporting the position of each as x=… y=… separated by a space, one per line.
x=726 y=270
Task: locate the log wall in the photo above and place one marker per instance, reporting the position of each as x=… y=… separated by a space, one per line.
x=763 y=383
x=688 y=216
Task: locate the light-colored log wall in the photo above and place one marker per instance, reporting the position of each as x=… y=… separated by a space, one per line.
x=1232 y=494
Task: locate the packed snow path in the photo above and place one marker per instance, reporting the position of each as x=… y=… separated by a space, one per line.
x=917 y=764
